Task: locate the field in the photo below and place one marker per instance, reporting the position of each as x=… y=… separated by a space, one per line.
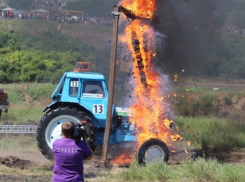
x=211 y=122
x=216 y=152
x=27 y=102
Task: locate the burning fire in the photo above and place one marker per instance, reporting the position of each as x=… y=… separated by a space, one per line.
x=141 y=8
x=123 y=159
x=148 y=108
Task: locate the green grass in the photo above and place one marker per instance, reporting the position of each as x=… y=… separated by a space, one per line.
x=28 y=92
x=19 y=114
x=200 y=170
x=199 y=89
x=14 y=93
x=40 y=91
x=212 y=132
x=26 y=101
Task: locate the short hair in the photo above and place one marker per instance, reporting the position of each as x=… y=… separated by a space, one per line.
x=67 y=129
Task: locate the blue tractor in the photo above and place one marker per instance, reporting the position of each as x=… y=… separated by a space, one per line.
x=83 y=96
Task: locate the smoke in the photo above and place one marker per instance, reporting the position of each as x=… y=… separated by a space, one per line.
x=186 y=24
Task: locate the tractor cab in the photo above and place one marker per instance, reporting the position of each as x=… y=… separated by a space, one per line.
x=84 y=90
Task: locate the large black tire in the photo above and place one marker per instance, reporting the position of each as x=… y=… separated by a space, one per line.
x=49 y=128
x=152 y=150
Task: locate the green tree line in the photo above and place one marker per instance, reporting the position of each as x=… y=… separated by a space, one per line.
x=29 y=60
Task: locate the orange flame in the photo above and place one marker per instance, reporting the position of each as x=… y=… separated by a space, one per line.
x=140 y=8
x=147 y=109
x=124 y=159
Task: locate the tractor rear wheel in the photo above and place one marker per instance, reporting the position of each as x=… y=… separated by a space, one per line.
x=49 y=128
x=153 y=150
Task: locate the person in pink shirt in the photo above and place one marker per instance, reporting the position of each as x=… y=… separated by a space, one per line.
x=69 y=155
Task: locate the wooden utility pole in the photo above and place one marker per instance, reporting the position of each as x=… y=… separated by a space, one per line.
x=115 y=14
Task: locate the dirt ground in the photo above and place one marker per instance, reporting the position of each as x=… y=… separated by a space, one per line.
x=25 y=161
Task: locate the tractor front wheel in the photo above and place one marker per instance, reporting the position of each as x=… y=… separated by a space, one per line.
x=153 y=150
x=49 y=128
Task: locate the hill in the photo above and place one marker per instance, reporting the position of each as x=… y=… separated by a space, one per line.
x=100 y=8
x=204 y=38
x=35 y=51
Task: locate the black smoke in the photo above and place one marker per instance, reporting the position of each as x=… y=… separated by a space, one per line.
x=188 y=25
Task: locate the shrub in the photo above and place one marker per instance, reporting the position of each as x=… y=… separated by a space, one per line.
x=228 y=100
x=196 y=105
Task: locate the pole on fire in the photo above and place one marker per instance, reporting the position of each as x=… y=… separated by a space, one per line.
x=115 y=14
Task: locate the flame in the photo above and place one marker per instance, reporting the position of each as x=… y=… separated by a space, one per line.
x=147 y=109
x=123 y=159
x=168 y=123
x=140 y=8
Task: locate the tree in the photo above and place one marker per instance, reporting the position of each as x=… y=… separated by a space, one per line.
x=20 y=4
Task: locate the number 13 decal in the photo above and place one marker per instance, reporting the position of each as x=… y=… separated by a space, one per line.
x=98 y=108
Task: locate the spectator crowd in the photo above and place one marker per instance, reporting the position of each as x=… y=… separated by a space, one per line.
x=55 y=12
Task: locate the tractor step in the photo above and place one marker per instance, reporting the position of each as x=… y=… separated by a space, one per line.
x=18 y=129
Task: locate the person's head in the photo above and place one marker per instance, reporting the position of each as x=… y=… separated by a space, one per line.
x=67 y=129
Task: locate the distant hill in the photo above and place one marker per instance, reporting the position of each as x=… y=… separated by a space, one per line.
x=91 y=7
x=207 y=38
x=99 y=8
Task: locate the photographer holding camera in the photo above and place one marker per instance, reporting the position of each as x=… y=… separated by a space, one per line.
x=69 y=153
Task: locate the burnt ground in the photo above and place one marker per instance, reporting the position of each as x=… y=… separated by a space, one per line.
x=32 y=166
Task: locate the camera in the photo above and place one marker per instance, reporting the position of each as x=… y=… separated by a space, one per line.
x=80 y=131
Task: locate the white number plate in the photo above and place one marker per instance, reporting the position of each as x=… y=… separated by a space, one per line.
x=98 y=108
x=74 y=83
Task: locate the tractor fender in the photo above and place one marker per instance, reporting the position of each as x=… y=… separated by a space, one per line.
x=49 y=106
x=53 y=104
